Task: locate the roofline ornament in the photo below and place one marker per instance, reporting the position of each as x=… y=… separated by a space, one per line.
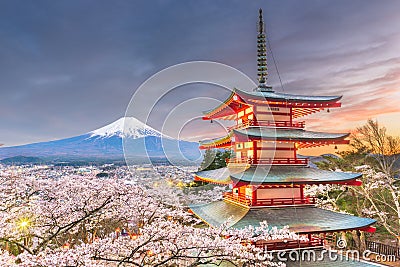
x=262 y=69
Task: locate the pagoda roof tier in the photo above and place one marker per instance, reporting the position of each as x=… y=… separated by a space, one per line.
x=303 y=138
x=290 y=99
x=277 y=134
x=304 y=219
x=217 y=176
x=292 y=175
x=302 y=105
x=275 y=175
x=220 y=142
x=227 y=109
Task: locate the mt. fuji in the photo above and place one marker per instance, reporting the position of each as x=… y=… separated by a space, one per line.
x=127 y=135
x=127 y=127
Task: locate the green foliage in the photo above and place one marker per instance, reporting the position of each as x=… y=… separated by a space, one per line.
x=384 y=148
x=379 y=199
x=347 y=160
x=102 y=175
x=214 y=159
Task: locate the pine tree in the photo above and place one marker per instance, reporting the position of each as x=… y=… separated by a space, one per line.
x=214 y=159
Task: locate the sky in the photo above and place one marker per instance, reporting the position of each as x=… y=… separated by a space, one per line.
x=69 y=67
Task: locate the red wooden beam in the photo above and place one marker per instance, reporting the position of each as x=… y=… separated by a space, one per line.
x=352 y=183
x=368 y=229
x=216 y=146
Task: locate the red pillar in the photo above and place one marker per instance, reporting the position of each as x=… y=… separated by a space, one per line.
x=302 y=191
x=255 y=154
x=254 y=195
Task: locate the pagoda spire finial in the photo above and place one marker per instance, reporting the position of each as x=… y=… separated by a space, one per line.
x=262 y=70
x=260 y=22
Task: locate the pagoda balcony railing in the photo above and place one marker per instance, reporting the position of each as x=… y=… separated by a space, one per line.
x=288 y=124
x=284 y=201
x=243 y=200
x=240 y=199
x=289 y=244
x=270 y=161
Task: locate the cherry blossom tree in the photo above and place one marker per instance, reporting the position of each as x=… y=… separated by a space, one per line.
x=378 y=154
x=88 y=221
x=381 y=195
x=327 y=195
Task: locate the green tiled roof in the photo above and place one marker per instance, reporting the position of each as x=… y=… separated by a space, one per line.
x=267 y=133
x=219 y=212
x=221 y=175
x=278 y=175
x=222 y=105
x=224 y=139
x=291 y=174
x=277 y=134
x=304 y=219
x=273 y=96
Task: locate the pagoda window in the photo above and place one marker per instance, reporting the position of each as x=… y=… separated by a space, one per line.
x=268 y=109
x=248 y=144
x=250 y=153
x=239 y=155
x=262 y=109
x=270 y=114
x=251 y=117
x=249 y=110
x=239 y=145
x=241 y=114
x=241 y=190
x=249 y=192
x=276 y=146
x=278 y=193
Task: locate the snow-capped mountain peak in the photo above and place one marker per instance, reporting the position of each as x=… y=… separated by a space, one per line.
x=126 y=127
x=141 y=144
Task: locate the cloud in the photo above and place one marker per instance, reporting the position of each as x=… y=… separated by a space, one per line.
x=69 y=67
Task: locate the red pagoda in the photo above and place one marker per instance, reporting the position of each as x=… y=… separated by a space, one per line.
x=266 y=174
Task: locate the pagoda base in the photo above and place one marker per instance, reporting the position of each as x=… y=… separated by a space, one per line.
x=300 y=219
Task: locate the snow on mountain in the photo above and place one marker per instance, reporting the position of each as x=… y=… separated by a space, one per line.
x=127 y=127
x=126 y=137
